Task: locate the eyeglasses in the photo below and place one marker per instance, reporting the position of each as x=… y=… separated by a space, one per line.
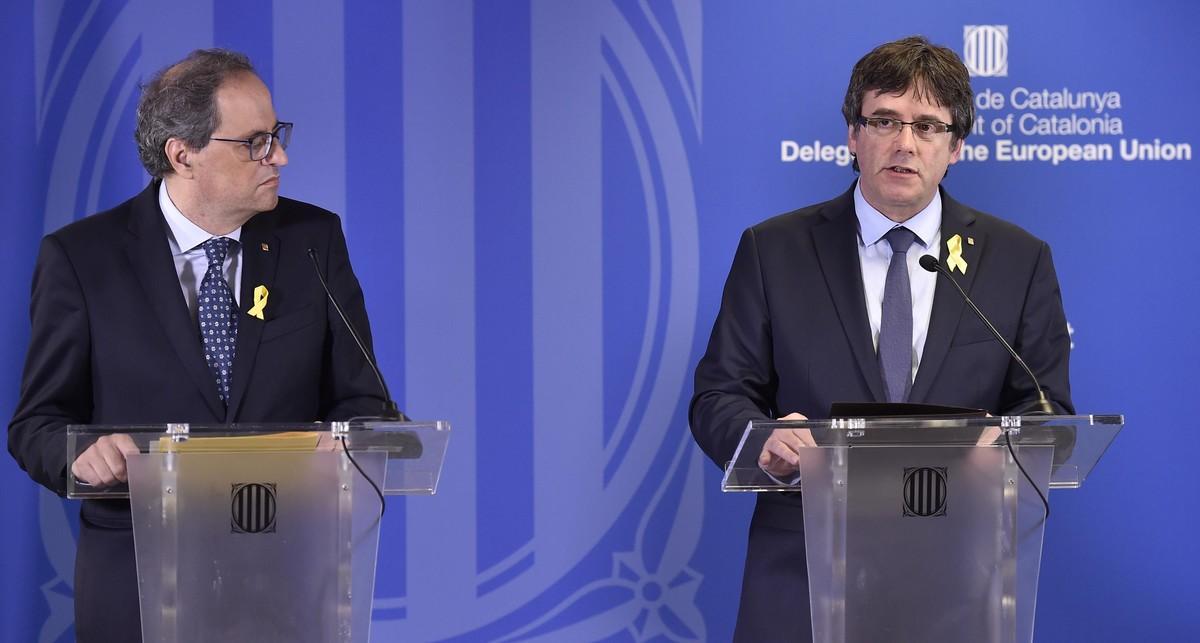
x=885 y=126
x=260 y=144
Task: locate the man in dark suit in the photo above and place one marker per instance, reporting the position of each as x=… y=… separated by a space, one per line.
x=829 y=304
x=195 y=301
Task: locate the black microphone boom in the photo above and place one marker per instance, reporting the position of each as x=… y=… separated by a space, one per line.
x=930 y=263
x=390 y=411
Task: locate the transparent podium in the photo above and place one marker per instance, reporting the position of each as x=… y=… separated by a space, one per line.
x=265 y=532
x=926 y=529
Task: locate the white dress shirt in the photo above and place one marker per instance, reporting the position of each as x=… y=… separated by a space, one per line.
x=186 y=240
x=874 y=254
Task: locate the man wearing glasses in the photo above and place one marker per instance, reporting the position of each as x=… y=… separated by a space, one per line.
x=829 y=304
x=195 y=301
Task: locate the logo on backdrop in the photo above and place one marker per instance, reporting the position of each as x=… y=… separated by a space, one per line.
x=252 y=507
x=1017 y=123
x=925 y=491
x=627 y=573
x=985 y=49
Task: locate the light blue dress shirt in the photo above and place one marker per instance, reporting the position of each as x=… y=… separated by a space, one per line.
x=874 y=255
x=186 y=240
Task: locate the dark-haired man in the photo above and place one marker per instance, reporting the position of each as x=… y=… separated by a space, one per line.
x=828 y=303
x=148 y=313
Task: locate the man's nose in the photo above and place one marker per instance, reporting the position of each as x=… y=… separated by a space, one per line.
x=906 y=140
x=278 y=156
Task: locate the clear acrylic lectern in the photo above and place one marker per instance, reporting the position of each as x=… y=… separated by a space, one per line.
x=265 y=532
x=925 y=529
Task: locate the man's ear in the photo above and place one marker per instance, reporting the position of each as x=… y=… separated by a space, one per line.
x=180 y=156
x=955 y=151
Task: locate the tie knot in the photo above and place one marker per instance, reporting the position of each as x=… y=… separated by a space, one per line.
x=900 y=238
x=216 y=248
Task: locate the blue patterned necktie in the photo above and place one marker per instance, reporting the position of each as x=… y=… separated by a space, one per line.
x=896 y=323
x=218 y=315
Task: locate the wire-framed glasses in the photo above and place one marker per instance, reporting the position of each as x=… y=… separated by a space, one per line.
x=260 y=144
x=888 y=126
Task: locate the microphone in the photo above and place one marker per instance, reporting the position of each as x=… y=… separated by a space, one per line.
x=390 y=411
x=1042 y=406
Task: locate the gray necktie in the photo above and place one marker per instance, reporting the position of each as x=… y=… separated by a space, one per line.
x=896 y=324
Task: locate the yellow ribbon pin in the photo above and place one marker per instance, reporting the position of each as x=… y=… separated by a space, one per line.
x=955 y=260
x=260 y=302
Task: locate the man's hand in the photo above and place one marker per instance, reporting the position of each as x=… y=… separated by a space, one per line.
x=778 y=456
x=991 y=436
x=103 y=463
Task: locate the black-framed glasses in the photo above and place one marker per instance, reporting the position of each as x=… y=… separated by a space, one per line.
x=887 y=126
x=260 y=144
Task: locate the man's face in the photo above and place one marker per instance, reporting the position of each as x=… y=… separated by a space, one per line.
x=899 y=173
x=231 y=186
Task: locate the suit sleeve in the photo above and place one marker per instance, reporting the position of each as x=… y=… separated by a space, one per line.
x=735 y=379
x=1043 y=342
x=56 y=387
x=348 y=386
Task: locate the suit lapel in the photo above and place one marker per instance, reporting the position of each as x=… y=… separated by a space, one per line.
x=836 y=242
x=150 y=257
x=260 y=256
x=947 y=302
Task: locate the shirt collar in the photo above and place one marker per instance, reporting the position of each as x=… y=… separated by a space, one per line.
x=184 y=235
x=872 y=224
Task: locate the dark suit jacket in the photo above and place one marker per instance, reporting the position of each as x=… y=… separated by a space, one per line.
x=792 y=335
x=113 y=342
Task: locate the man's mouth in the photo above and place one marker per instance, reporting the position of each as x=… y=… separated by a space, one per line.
x=900 y=169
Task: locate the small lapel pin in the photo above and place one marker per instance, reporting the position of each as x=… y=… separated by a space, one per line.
x=265 y=247
x=260 y=300
x=970 y=241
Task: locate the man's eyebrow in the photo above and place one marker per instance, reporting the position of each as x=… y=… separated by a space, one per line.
x=891 y=113
x=261 y=131
x=929 y=117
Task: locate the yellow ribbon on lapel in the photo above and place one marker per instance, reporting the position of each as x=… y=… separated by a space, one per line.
x=955 y=260
x=260 y=302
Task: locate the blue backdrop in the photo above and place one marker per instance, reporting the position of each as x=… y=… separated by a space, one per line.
x=542 y=200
